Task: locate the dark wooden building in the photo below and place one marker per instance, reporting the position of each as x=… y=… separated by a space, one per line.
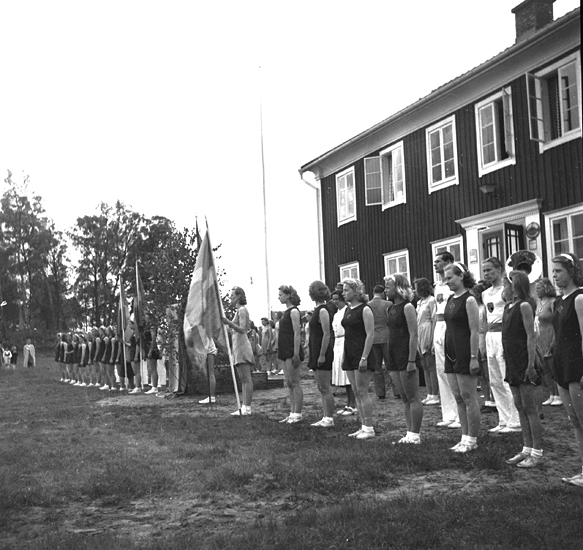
x=485 y=165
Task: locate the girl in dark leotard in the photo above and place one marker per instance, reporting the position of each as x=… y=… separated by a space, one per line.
x=403 y=354
x=461 y=352
x=519 y=344
x=288 y=351
x=568 y=325
x=321 y=348
x=358 y=323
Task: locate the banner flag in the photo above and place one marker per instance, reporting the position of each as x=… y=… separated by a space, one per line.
x=203 y=315
x=123 y=315
x=139 y=302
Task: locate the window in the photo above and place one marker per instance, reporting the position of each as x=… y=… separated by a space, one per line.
x=565 y=232
x=393 y=176
x=453 y=245
x=385 y=177
x=372 y=180
x=495 y=129
x=345 y=196
x=554 y=97
x=442 y=155
x=397 y=262
x=350 y=271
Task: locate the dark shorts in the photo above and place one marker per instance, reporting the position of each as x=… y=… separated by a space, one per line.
x=568 y=364
x=128 y=372
x=349 y=364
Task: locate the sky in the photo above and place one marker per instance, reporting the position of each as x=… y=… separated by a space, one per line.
x=158 y=104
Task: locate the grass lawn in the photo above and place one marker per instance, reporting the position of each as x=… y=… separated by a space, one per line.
x=84 y=470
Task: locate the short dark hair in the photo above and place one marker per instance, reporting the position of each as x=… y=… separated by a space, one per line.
x=446 y=256
x=378 y=289
x=494 y=261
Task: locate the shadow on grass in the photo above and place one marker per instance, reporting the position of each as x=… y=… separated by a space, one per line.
x=538 y=521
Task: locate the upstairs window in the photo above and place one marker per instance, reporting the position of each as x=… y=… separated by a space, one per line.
x=442 y=155
x=554 y=98
x=495 y=128
x=385 y=177
x=372 y=179
x=345 y=196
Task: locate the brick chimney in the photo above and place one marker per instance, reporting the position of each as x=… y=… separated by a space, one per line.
x=531 y=16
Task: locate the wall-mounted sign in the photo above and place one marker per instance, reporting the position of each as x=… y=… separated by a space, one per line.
x=533 y=230
x=473 y=256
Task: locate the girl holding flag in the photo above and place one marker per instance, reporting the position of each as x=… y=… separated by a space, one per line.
x=242 y=353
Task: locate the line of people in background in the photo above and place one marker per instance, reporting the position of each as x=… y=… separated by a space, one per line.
x=104 y=359
x=458 y=332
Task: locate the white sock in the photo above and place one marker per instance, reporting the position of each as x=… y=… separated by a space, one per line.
x=527 y=450
x=471 y=440
x=537 y=453
x=464 y=439
x=414 y=437
x=327 y=419
x=367 y=429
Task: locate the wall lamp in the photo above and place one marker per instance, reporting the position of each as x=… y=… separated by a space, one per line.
x=489 y=189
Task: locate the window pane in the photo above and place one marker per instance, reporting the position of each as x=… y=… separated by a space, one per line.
x=455 y=252
x=373 y=196
x=560 y=229
x=402 y=264
x=577 y=225
x=570 y=102
x=434 y=139
x=447 y=134
x=449 y=169
x=436 y=173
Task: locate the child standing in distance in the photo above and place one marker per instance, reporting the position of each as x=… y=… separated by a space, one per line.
x=519 y=343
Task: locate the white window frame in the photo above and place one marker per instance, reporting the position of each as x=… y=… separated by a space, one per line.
x=537 y=104
x=372 y=167
x=347 y=269
x=448 y=243
x=550 y=218
x=395 y=256
x=401 y=196
x=505 y=94
x=452 y=180
x=339 y=177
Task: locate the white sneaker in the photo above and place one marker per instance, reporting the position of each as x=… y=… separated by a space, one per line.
x=83 y=384
x=497 y=429
x=549 y=401
x=295 y=419
x=77 y=384
x=281 y=372
x=207 y=401
x=135 y=391
x=466 y=447
x=244 y=411
x=366 y=434
x=324 y=423
x=285 y=420
x=433 y=401
x=557 y=402
x=349 y=411
x=104 y=387
x=355 y=434
x=151 y=391
x=455 y=425
x=71 y=381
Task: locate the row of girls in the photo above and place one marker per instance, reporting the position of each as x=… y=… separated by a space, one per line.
x=100 y=359
x=523 y=369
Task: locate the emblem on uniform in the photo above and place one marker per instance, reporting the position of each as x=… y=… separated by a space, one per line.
x=490 y=306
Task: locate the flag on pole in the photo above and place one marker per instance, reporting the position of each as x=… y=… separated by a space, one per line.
x=139 y=302
x=204 y=311
x=123 y=315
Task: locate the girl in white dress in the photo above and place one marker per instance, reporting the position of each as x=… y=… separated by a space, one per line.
x=339 y=377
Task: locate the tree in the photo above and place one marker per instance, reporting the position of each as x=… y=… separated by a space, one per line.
x=26 y=238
